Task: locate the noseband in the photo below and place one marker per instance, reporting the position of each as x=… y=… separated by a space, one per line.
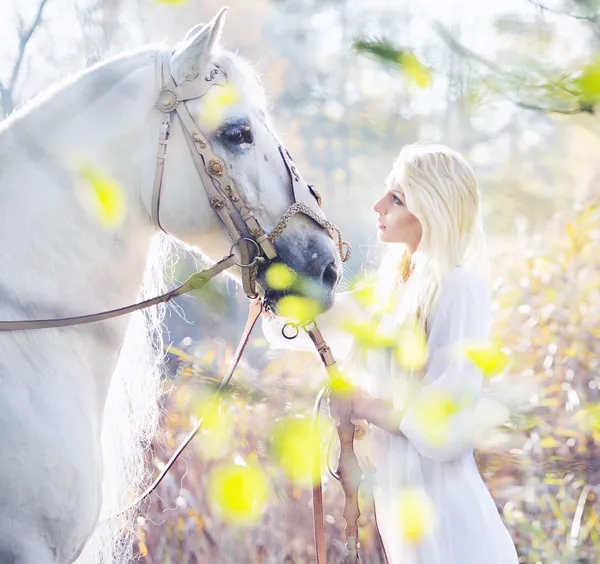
x=244 y=229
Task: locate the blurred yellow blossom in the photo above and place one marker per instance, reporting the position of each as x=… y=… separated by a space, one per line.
x=299 y=309
x=415 y=514
x=280 y=276
x=433 y=410
x=488 y=357
x=295 y=442
x=215 y=436
x=216 y=103
x=142 y=546
x=364 y=289
x=101 y=195
x=170 y=2
x=411 y=347
x=415 y=70
x=239 y=493
x=366 y=335
x=340 y=384
x=588 y=81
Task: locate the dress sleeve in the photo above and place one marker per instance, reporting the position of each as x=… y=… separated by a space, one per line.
x=439 y=419
x=333 y=325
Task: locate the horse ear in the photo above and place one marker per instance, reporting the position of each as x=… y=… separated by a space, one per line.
x=192 y=55
x=193 y=31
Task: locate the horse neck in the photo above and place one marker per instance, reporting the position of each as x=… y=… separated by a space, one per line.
x=53 y=251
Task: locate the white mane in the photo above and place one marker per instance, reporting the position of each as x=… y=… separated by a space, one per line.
x=132 y=416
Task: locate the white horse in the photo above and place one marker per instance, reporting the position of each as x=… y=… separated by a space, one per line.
x=78 y=404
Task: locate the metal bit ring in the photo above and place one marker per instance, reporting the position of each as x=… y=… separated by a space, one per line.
x=294 y=326
x=254 y=260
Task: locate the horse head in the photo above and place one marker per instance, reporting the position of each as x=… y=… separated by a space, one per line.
x=224 y=153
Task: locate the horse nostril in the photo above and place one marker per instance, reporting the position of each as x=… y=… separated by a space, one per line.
x=330 y=274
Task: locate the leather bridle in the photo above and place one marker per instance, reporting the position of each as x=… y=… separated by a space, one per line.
x=223 y=195
x=254 y=245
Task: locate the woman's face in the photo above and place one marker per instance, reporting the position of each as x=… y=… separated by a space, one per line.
x=395 y=224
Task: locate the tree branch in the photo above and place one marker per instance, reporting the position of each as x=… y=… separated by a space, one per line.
x=463 y=51
x=582 y=109
x=591 y=18
x=25 y=36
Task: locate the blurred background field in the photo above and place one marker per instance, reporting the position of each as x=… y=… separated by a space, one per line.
x=514 y=86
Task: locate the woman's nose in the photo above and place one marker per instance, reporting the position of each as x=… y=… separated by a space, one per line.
x=377 y=207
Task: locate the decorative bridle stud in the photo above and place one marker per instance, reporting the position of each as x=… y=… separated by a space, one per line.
x=316 y=194
x=212 y=75
x=167 y=101
x=295 y=173
x=197 y=137
x=258 y=232
x=232 y=195
x=216 y=203
x=215 y=168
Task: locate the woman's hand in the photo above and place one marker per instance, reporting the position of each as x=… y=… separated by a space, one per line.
x=359 y=400
x=364 y=406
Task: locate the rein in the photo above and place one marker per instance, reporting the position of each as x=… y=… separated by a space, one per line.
x=195 y=282
x=348 y=472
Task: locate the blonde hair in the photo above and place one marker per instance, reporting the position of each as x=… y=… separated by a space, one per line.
x=441 y=191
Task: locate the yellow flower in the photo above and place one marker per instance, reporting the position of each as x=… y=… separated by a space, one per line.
x=433 y=412
x=365 y=334
x=170 y=2
x=216 y=433
x=216 y=103
x=488 y=357
x=301 y=310
x=295 y=442
x=340 y=384
x=416 y=515
x=280 y=276
x=238 y=493
x=411 y=348
x=102 y=196
x=415 y=70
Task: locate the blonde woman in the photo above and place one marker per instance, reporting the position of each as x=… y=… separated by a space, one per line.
x=421 y=421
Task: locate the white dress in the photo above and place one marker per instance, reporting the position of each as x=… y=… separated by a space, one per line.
x=468 y=528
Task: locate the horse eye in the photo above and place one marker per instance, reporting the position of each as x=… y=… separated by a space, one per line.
x=237 y=135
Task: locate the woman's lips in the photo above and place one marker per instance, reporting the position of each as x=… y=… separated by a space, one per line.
x=380 y=225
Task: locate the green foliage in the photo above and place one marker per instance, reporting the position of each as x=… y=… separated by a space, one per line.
x=404 y=59
x=527 y=72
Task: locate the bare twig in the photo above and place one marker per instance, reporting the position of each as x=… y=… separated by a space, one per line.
x=25 y=36
x=582 y=109
x=465 y=52
x=595 y=18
